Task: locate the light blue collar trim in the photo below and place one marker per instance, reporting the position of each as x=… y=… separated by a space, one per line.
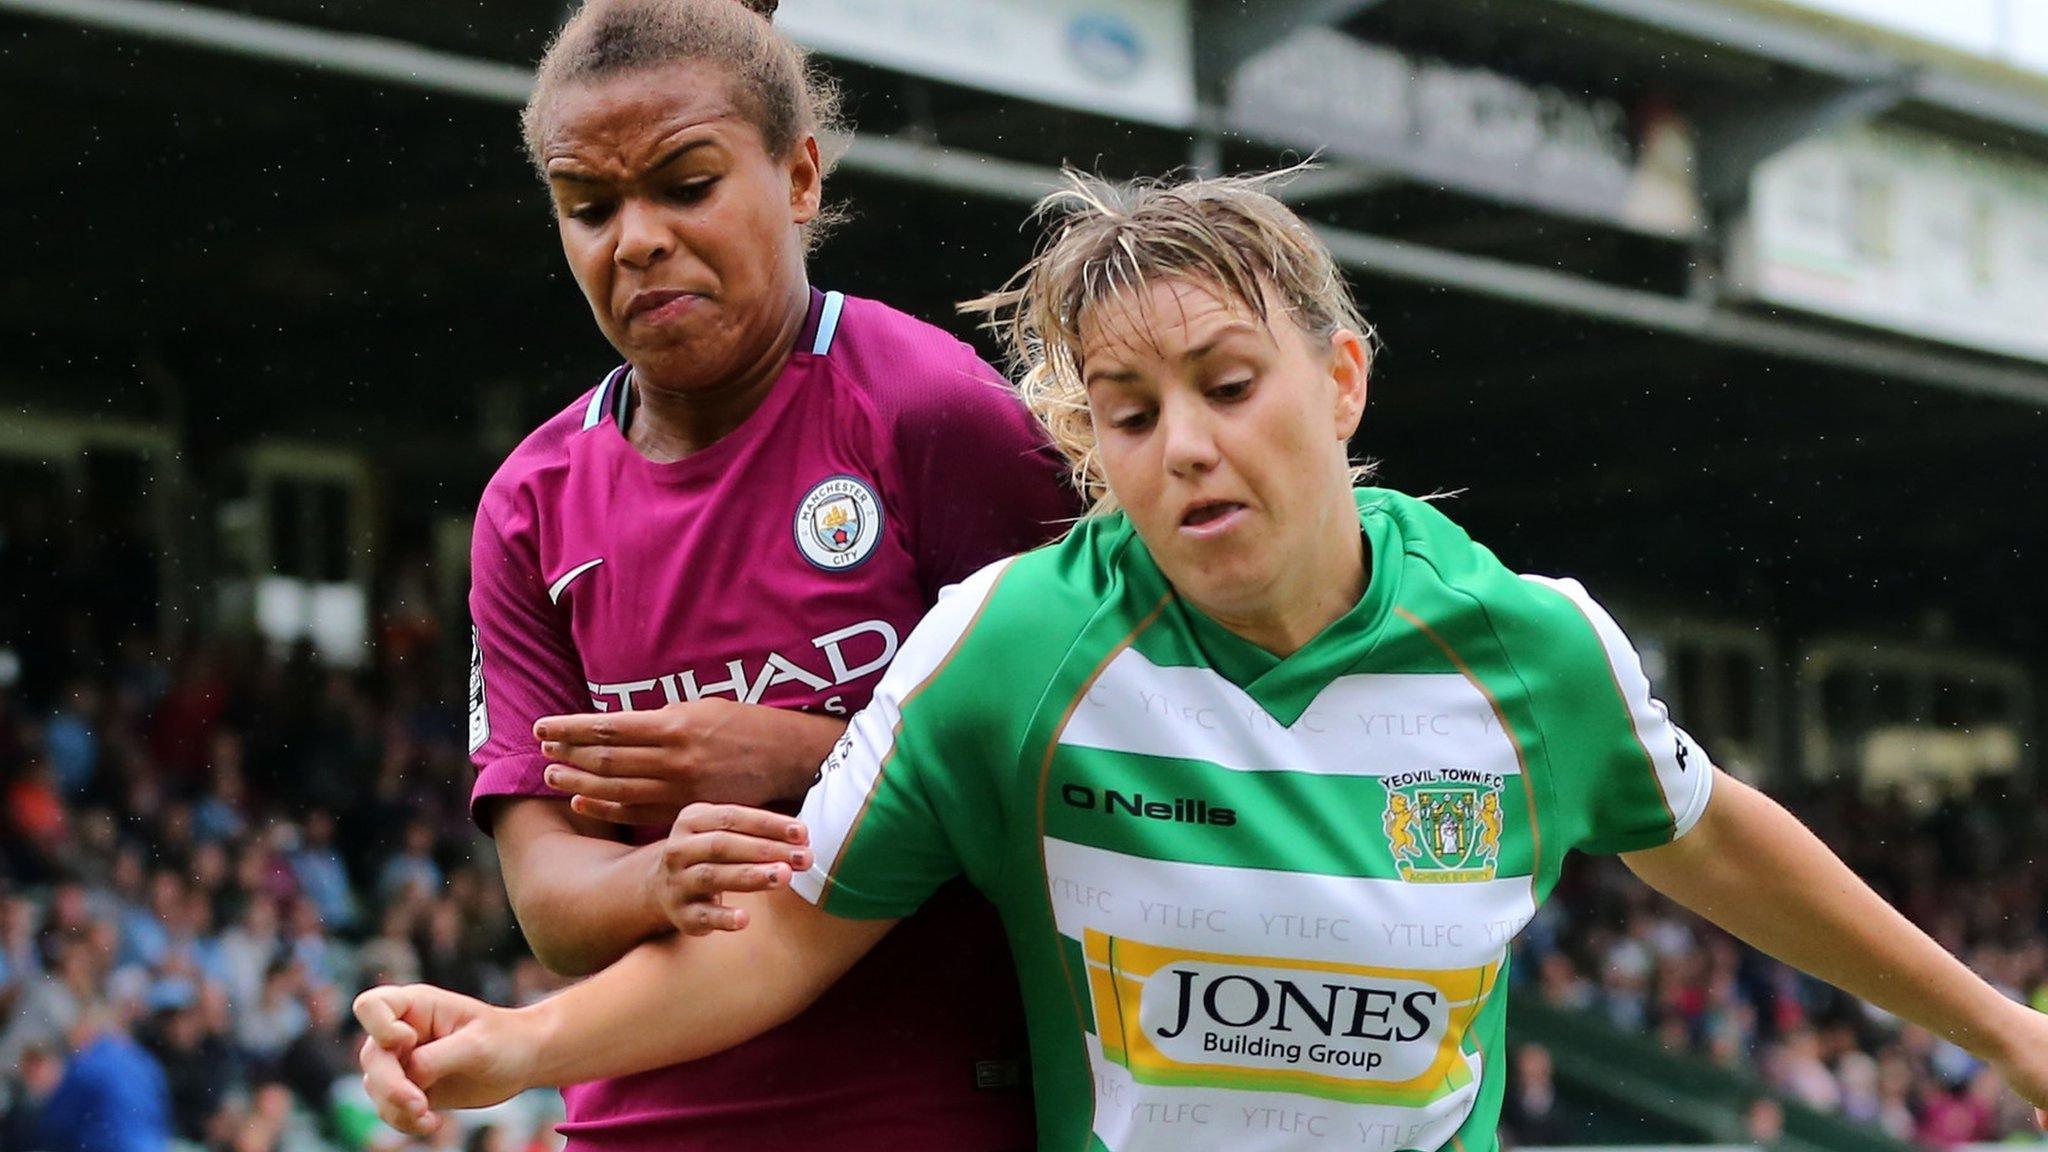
x=595 y=412
x=828 y=323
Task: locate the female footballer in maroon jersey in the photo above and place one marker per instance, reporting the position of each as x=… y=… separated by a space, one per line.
x=684 y=582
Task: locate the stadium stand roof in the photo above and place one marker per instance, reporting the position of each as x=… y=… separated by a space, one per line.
x=293 y=218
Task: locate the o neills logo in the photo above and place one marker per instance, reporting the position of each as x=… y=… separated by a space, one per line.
x=1270 y=1024
x=1179 y=810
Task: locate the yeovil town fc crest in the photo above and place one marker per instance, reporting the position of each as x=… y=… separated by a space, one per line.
x=1443 y=825
x=839 y=523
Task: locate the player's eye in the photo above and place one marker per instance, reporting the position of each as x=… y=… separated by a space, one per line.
x=691 y=191
x=1131 y=420
x=1230 y=390
x=590 y=212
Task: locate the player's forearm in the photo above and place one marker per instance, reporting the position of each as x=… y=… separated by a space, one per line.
x=800 y=742
x=582 y=902
x=1755 y=870
x=683 y=998
x=593 y=911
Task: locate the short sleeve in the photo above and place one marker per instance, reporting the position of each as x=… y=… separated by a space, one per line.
x=1628 y=776
x=969 y=433
x=882 y=811
x=522 y=664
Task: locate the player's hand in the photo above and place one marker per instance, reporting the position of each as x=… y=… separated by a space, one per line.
x=719 y=848
x=429 y=1049
x=645 y=767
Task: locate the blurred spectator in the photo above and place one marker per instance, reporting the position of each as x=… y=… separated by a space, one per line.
x=1801 y=1074
x=71 y=737
x=247 y=949
x=219 y=813
x=322 y=875
x=411 y=873
x=276 y=1017
x=35 y=819
x=49 y=1008
x=198 y=1068
x=21 y=1130
x=1763 y=1123
x=1530 y=1115
x=323 y=1052
x=112 y=1097
x=390 y=958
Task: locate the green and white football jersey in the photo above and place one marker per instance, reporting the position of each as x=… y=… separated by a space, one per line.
x=1254 y=902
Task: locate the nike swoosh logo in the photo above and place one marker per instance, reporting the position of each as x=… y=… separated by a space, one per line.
x=560 y=586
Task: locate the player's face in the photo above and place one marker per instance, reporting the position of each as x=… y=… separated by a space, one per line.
x=1223 y=436
x=679 y=224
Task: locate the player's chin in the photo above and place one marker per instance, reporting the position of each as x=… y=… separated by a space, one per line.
x=694 y=360
x=1235 y=577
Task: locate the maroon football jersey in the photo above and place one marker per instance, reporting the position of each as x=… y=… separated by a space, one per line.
x=781 y=565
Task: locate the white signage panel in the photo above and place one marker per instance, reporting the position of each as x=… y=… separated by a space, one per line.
x=2014 y=31
x=1906 y=232
x=1469 y=128
x=1127 y=58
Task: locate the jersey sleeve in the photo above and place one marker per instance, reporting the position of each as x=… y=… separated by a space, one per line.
x=967 y=432
x=522 y=665
x=1629 y=777
x=911 y=771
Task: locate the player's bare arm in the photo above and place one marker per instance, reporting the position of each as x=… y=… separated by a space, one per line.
x=430 y=1049
x=1754 y=869
x=645 y=767
x=582 y=898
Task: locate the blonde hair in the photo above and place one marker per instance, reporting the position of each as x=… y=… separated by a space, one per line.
x=1107 y=242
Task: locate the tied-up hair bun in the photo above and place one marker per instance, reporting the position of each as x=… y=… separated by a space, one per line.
x=765 y=9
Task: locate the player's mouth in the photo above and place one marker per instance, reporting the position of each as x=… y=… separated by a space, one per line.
x=660 y=305
x=1206 y=518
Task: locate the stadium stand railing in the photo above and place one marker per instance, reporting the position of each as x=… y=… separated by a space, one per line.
x=1641 y=1079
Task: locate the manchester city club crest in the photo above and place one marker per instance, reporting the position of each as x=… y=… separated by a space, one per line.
x=839 y=523
x=1443 y=825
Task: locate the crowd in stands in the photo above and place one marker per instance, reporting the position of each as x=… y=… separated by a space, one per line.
x=206 y=855
x=1969 y=871
x=205 y=858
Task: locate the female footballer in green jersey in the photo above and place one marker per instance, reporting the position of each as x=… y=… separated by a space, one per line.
x=1263 y=771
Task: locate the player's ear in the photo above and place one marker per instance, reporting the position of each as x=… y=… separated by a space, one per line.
x=1350 y=371
x=806 y=181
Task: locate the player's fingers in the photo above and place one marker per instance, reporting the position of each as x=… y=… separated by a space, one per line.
x=641 y=727
x=654 y=761
x=381 y=1012
x=435 y=1060
x=700 y=881
x=637 y=815
x=690 y=849
x=617 y=789
x=703 y=817
x=421 y=1121
x=704 y=917
x=458 y=1056
x=400 y=1118
x=398 y=1100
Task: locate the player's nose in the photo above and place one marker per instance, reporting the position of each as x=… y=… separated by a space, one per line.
x=644 y=236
